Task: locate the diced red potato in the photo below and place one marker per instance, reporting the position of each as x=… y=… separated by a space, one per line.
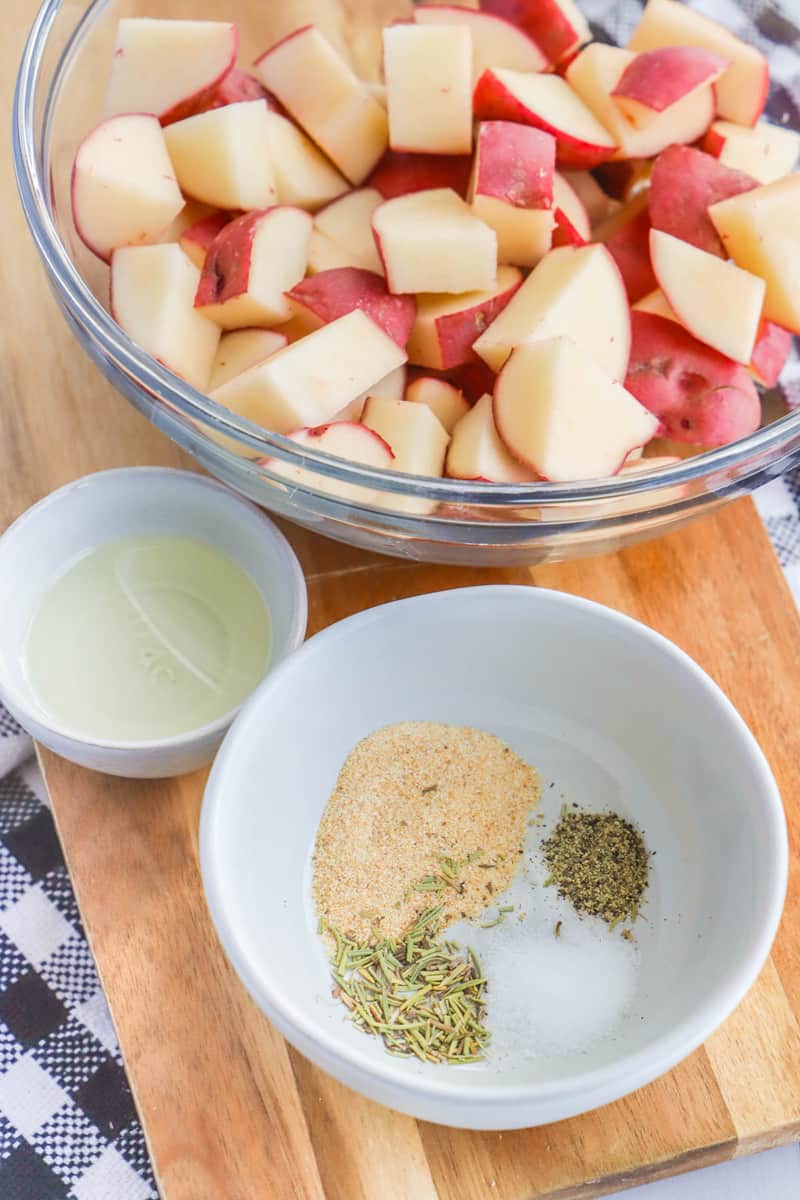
x=496 y=42
x=330 y=294
x=562 y=336
x=324 y=254
x=446 y=326
x=311 y=380
x=512 y=189
x=655 y=302
x=432 y=242
x=443 y=399
x=222 y=157
x=684 y=184
x=770 y=353
x=391 y=387
x=572 y=226
x=557 y=27
x=515 y=163
x=742 y=91
x=197 y=240
x=546 y=102
x=351 y=412
x=192 y=212
x=547 y=402
x=766 y=152
x=419 y=442
x=657 y=79
x=398 y=174
x=347 y=221
x=559 y=298
x=124 y=190
x=598 y=204
x=236 y=87
x=169 y=68
x=718 y=302
x=349 y=440
x=152 y=299
x=428 y=71
x=473 y=379
x=698 y=395
x=338 y=112
x=476 y=450
x=759 y=229
x=251 y=264
x=300 y=323
x=242 y=349
x=627 y=239
x=595 y=73
x=416 y=435
x=303 y=175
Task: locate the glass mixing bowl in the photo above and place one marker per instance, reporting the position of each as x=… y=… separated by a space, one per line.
x=59 y=97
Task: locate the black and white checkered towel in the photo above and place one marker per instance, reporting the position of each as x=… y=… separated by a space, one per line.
x=68 y=1125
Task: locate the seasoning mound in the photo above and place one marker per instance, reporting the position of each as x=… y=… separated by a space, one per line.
x=423 y=996
x=421 y=814
x=600 y=863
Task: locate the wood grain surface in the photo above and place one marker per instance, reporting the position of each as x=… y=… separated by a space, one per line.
x=230 y=1112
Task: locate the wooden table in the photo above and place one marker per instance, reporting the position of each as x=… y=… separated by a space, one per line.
x=232 y=1113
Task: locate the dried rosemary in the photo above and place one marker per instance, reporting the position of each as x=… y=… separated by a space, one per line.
x=600 y=863
x=422 y=996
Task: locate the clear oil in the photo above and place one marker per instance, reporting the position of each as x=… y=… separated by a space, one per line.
x=147 y=637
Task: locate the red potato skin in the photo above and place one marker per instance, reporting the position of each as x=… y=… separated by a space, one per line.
x=204 y=233
x=713 y=143
x=492 y=101
x=238 y=87
x=473 y=379
x=699 y=396
x=542 y=20
x=226 y=271
x=630 y=249
x=515 y=163
x=660 y=78
x=684 y=183
x=565 y=233
x=319 y=431
x=332 y=294
x=195 y=104
x=301 y=29
x=399 y=174
x=456 y=332
x=772 y=349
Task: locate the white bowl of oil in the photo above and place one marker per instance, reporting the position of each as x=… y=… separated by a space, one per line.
x=140 y=608
x=615 y=718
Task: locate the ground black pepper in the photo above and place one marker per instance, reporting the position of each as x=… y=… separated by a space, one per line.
x=599 y=862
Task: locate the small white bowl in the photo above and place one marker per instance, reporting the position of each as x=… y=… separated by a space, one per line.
x=48 y=538
x=615 y=717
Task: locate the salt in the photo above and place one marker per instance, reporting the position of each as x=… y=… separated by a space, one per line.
x=550 y=996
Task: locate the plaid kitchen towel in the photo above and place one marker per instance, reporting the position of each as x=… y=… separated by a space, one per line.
x=68 y=1126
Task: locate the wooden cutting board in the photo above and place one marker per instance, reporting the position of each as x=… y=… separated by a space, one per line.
x=230 y=1111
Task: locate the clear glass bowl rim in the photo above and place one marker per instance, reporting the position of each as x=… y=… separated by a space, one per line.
x=160 y=382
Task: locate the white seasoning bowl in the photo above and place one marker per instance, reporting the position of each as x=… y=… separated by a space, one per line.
x=52 y=535
x=615 y=717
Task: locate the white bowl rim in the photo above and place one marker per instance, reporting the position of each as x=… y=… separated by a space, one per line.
x=246 y=511
x=641 y=1066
